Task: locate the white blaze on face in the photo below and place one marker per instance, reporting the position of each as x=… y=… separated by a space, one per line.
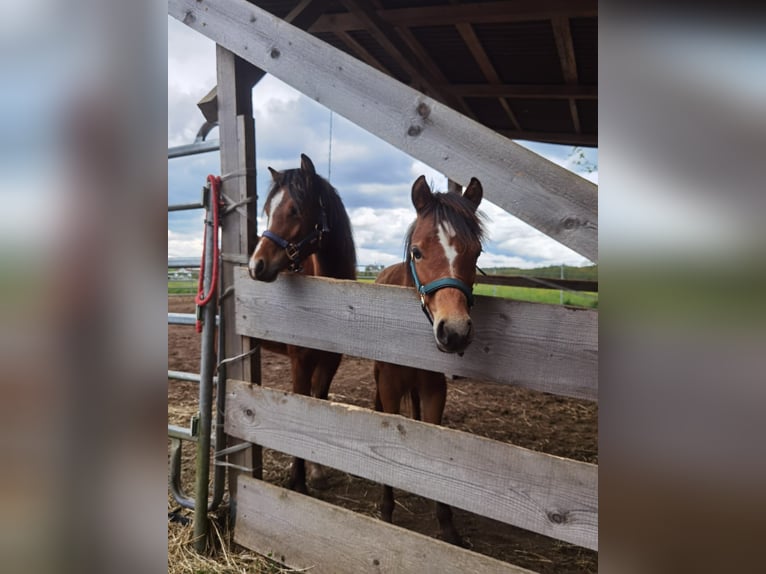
x=446 y=233
x=274 y=205
x=275 y=201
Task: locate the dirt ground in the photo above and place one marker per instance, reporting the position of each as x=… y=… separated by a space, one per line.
x=546 y=423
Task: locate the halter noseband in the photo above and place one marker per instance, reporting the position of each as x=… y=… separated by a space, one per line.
x=297 y=252
x=434 y=286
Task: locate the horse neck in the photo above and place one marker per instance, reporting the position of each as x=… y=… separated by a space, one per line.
x=337 y=254
x=333 y=263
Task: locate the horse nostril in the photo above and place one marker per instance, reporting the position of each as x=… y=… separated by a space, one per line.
x=440 y=331
x=255 y=270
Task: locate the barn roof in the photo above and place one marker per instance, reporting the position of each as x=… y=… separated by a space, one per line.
x=527 y=69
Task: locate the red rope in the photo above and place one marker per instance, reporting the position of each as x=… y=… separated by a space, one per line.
x=201 y=298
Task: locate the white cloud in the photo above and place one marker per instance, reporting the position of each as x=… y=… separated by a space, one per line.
x=184 y=244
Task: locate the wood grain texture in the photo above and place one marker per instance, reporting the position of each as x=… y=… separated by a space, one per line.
x=305 y=533
x=238 y=234
x=548 y=348
x=557 y=202
x=546 y=494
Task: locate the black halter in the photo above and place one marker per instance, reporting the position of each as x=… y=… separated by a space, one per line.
x=297 y=252
x=434 y=286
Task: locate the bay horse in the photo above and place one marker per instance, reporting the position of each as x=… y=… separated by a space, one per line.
x=309 y=232
x=442 y=246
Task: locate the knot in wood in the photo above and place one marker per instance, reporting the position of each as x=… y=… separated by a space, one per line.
x=557 y=518
x=423 y=110
x=275 y=53
x=570 y=223
x=414 y=130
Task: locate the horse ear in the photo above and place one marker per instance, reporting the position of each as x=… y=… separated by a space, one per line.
x=307 y=165
x=275 y=175
x=421 y=194
x=474 y=192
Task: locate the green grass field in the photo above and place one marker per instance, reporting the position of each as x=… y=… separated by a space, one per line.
x=188 y=287
x=551 y=296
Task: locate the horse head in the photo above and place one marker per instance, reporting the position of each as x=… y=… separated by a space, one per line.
x=296 y=221
x=443 y=245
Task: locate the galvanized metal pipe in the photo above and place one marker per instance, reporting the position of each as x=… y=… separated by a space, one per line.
x=186 y=319
x=185 y=206
x=219 y=472
x=174 y=479
x=193 y=149
x=207 y=370
x=181 y=433
x=183 y=376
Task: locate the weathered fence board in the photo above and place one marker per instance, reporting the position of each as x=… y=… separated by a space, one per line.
x=306 y=533
x=546 y=494
x=557 y=202
x=548 y=348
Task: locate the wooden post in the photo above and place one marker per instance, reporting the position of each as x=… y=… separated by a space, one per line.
x=235 y=79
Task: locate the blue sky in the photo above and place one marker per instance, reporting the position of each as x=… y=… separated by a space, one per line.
x=373 y=178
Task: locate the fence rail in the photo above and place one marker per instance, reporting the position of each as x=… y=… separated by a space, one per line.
x=539 y=492
x=273 y=522
x=548 y=348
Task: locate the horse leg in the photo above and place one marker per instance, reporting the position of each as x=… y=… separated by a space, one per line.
x=433 y=394
x=325 y=370
x=388 y=397
x=302 y=363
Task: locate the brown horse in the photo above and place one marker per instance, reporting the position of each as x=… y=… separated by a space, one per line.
x=442 y=247
x=308 y=232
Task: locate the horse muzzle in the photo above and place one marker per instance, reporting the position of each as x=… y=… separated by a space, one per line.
x=259 y=269
x=453 y=335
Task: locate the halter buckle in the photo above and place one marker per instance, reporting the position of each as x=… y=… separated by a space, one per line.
x=292 y=251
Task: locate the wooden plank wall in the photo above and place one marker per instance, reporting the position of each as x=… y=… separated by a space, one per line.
x=546 y=494
x=273 y=522
x=548 y=348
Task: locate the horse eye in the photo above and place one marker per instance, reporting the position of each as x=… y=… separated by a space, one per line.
x=416 y=254
x=293 y=211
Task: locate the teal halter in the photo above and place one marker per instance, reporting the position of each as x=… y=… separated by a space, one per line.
x=434 y=286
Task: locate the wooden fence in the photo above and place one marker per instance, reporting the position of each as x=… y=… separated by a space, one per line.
x=544 y=347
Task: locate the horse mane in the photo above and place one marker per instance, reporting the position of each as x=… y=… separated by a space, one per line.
x=456 y=211
x=337 y=254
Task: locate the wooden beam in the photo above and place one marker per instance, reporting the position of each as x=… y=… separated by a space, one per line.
x=566 y=138
x=274 y=524
x=525 y=91
x=362 y=53
x=384 y=34
x=563 y=37
x=543 y=493
x=539 y=283
x=480 y=13
x=306 y=13
x=548 y=348
x=235 y=81
x=434 y=71
x=477 y=51
x=555 y=201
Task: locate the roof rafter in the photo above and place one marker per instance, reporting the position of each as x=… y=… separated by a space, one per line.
x=477 y=51
x=562 y=34
x=481 y=13
x=526 y=91
x=384 y=34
